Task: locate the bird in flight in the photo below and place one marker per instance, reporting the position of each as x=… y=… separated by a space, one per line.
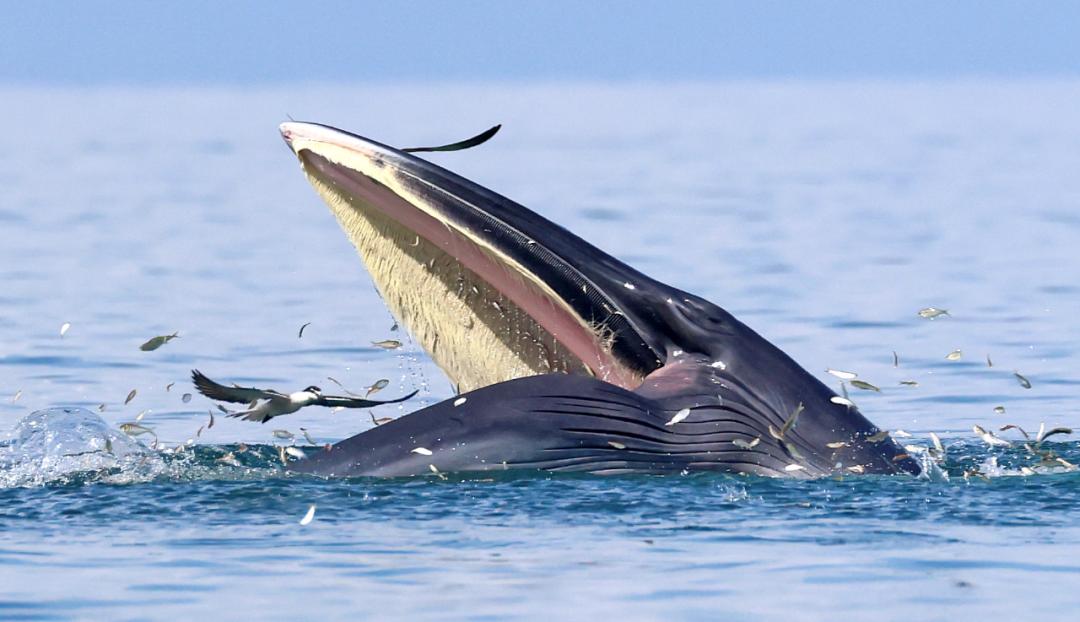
x=265 y=404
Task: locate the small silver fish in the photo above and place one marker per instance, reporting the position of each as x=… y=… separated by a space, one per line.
x=380 y=420
x=169 y=386
x=679 y=416
x=229 y=459
x=792 y=420
x=909 y=383
x=459 y=401
x=300 y=335
x=878 y=437
x=989 y=438
x=989 y=363
x=616 y=445
x=64 y=328
x=130 y=396
x=794 y=467
x=937 y=444
x=387 y=344
x=423 y=451
x=858 y=468
x=865 y=386
x=282 y=434
x=895 y=359
x=843 y=375
x=999 y=410
x=156 y=342
x=955 y=355
x=1024 y=382
x=296 y=452
x=378 y=386
x=139 y=417
x=307 y=437
x=836 y=444
x=843 y=401
x=310 y=516
x=746 y=445
x=18 y=394
x=930 y=313
x=134 y=429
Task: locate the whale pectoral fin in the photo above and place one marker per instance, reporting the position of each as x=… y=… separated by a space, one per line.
x=552 y=422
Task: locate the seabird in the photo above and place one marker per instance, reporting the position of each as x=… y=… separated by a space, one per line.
x=268 y=403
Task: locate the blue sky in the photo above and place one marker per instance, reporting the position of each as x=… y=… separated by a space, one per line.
x=243 y=41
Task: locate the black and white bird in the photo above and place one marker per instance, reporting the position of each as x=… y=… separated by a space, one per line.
x=265 y=404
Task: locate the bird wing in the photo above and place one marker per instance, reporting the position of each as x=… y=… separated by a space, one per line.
x=235 y=393
x=355 y=402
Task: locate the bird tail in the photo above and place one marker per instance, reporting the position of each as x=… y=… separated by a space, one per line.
x=250 y=415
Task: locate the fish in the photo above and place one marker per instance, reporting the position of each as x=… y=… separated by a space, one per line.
x=746 y=445
x=999 y=410
x=18 y=394
x=134 y=429
x=865 y=386
x=64 y=328
x=836 y=444
x=989 y=438
x=308 y=517
x=459 y=401
x=955 y=355
x=843 y=375
x=379 y=385
x=387 y=344
x=794 y=467
x=300 y=335
x=282 y=434
x=1024 y=382
x=229 y=459
x=933 y=312
x=296 y=452
x=895 y=359
x=156 y=342
x=185 y=398
x=679 y=416
x=843 y=401
x=423 y=451
x=616 y=445
x=910 y=383
x=792 y=420
x=878 y=437
x=169 y=386
x=307 y=437
x=380 y=420
x=130 y=396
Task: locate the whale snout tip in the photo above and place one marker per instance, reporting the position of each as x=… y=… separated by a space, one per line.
x=288 y=132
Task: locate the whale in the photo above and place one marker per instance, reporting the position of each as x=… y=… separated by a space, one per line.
x=564 y=358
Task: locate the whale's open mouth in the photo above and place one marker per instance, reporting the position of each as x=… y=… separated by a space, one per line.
x=492 y=293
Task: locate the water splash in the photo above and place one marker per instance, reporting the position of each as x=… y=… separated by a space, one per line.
x=73 y=446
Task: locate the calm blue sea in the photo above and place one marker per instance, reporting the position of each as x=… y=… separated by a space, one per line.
x=825 y=215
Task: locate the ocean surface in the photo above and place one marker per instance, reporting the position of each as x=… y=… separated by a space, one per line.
x=824 y=215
